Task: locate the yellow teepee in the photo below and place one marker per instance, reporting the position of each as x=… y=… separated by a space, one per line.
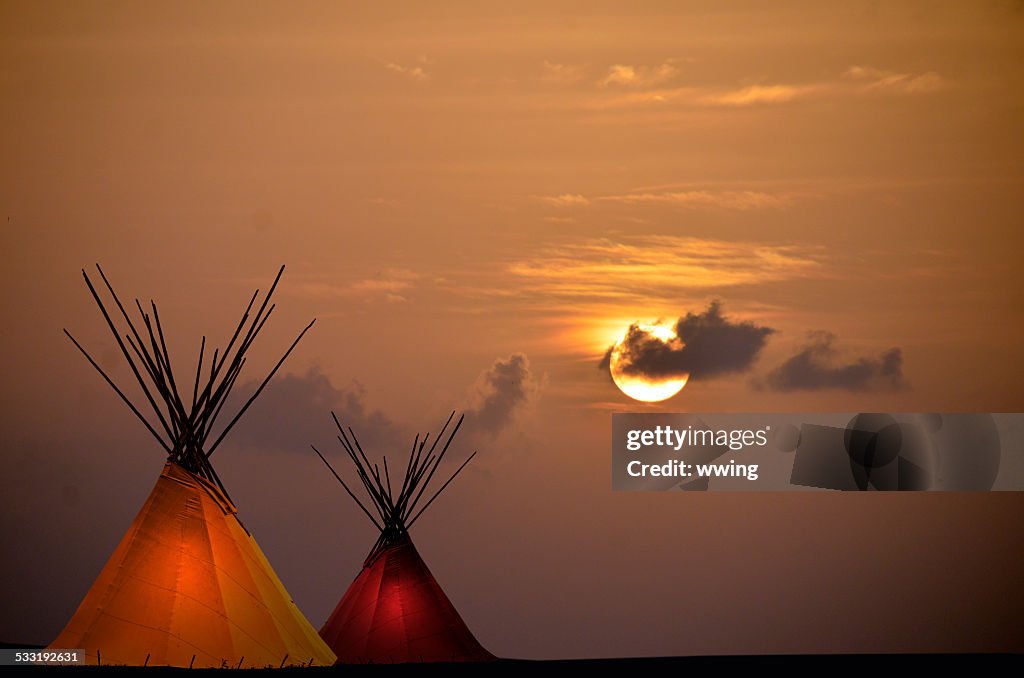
x=188 y=585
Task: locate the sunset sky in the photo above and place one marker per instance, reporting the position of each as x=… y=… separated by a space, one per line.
x=475 y=201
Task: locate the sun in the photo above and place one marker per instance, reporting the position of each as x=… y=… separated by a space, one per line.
x=644 y=388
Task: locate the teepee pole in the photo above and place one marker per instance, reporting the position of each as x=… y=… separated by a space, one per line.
x=438 y=493
x=437 y=463
x=350 y=493
x=112 y=385
x=260 y=389
x=378 y=502
x=421 y=466
x=199 y=369
x=124 y=350
x=208 y=420
x=127 y=318
x=185 y=431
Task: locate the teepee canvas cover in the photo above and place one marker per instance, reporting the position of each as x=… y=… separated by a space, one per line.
x=188 y=585
x=188 y=580
x=395 y=611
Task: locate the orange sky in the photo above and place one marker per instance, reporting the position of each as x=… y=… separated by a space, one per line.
x=453 y=184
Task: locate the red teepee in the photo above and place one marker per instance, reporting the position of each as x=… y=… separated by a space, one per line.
x=395 y=611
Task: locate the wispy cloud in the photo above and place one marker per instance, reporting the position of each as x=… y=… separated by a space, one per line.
x=565 y=199
x=874 y=80
x=623 y=75
x=759 y=94
x=586 y=291
x=375 y=285
x=732 y=200
x=855 y=81
x=704 y=97
x=414 y=72
x=659 y=266
x=562 y=74
x=389 y=285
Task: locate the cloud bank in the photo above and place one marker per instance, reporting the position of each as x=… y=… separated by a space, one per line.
x=816 y=367
x=295 y=411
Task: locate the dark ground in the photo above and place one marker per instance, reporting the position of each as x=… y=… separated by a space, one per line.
x=649 y=665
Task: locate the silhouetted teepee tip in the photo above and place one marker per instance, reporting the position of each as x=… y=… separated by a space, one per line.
x=395 y=611
x=188 y=585
x=183 y=430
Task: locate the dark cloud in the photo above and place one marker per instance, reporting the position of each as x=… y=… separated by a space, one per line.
x=501 y=391
x=644 y=354
x=814 y=368
x=716 y=346
x=705 y=345
x=295 y=411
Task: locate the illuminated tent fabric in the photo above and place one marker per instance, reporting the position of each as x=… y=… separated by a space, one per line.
x=188 y=585
x=395 y=611
x=187 y=580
